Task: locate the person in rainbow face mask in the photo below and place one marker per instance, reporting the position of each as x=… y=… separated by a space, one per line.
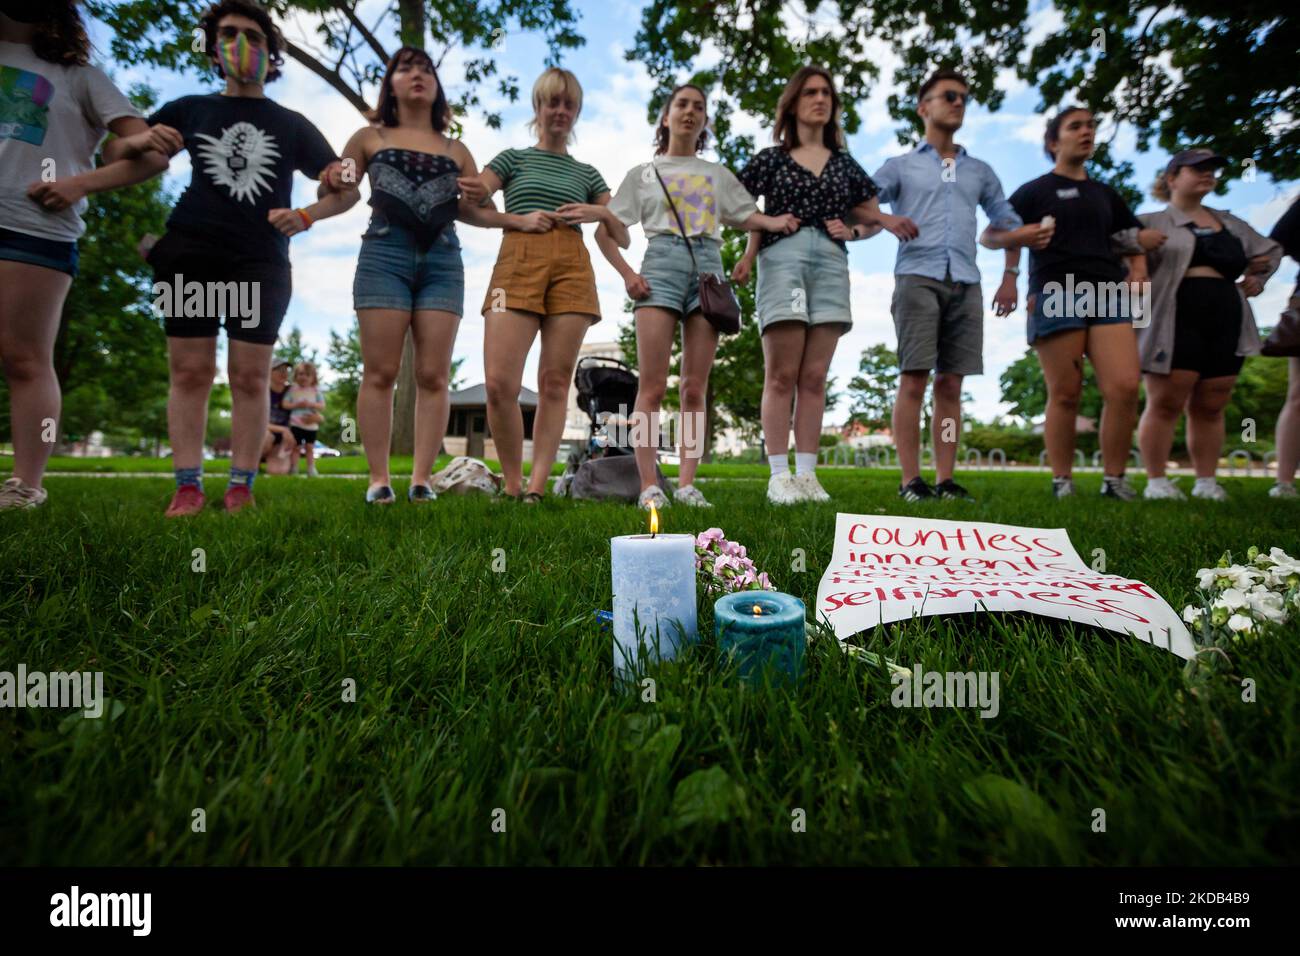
x=230 y=231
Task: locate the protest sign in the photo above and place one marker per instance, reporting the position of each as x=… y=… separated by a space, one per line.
x=887 y=568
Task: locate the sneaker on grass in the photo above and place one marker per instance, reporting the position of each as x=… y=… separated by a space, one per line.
x=654 y=495
x=188 y=500
x=950 y=489
x=915 y=490
x=15 y=494
x=1281 y=490
x=1210 y=489
x=782 y=490
x=1117 y=487
x=810 y=488
x=1063 y=488
x=238 y=497
x=1162 y=489
x=691 y=496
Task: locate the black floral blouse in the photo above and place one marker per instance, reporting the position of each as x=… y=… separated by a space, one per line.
x=789 y=187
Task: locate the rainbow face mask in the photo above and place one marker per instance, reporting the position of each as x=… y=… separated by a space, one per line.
x=243 y=61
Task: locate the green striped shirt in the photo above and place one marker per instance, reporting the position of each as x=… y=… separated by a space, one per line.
x=535 y=179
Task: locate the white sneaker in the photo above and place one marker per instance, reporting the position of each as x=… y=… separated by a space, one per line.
x=691 y=496
x=1163 y=488
x=15 y=494
x=1280 y=490
x=312 y=472
x=654 y=495
x=1210 y=489
x=782 y=489
x=810 y=487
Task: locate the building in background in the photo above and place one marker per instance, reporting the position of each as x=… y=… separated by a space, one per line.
x=467 y=429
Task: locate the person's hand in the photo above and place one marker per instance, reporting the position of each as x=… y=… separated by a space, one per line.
x=58 y=195
x=900 y=226
x=576 y=212
x=331 y=177
x=313 y=418
x=473 y=189
x=1039 y=235
x=1257 y=265
x=288 y=221
x=636 y=285
x=786 y=224
x=742 y=270
x=1150 y=239
x=1252 y=285
x=537 y=221
x=836 y=229
x=165 y=140
x=1004 y=300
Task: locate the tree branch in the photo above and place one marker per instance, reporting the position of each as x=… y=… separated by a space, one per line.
x=369 y=37
x=333 y=79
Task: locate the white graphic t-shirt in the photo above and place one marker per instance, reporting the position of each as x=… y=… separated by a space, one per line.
x=707 y=196
x=52 y=120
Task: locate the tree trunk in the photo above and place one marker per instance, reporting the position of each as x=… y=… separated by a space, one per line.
x=404 y=403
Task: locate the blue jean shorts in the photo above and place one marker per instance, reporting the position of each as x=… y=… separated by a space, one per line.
x=674 y=283
x=35 y=251
x=804 y=278
x=1078 y=302
x=393 y=272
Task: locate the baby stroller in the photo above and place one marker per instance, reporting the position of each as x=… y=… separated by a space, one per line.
x=607 y=390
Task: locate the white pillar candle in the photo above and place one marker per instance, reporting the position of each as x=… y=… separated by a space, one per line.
x=654 y=578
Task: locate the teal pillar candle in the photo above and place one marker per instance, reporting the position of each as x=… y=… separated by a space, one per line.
x=758 y=629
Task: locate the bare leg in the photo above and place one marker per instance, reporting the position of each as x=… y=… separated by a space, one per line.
x=810 y=394
x=1205 y=422
x=193 y=365
x=1061 y=358
x=1166 y=397
x=783 y=345
x=1288 y=427
x=248 y=367
x=945 y=427
x=562 y=336
x=511 y=335
x=907 y=422
x=699 y=345
x=435 y=337
x=655 y=330
x=1113 y=352
x=383 y=336
x=31 y=301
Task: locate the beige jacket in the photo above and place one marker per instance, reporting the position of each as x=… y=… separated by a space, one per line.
x=1167 y=266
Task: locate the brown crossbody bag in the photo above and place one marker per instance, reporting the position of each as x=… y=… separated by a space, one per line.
x=717 y=300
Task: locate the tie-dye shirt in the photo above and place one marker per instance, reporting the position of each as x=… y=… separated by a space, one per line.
x=707 y=196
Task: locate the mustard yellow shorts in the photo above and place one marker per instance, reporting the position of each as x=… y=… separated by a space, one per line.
x=548 y=273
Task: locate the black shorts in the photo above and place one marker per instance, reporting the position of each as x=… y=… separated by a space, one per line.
x=1207 y=326
x=303 y=436
x=197 y=284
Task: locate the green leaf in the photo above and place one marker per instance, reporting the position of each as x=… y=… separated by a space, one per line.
x=706 y=796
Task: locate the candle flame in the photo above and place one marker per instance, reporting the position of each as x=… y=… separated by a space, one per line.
x=758 y=609
x=654 y=519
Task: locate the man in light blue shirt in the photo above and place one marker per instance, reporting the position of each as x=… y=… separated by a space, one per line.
x=938 y=311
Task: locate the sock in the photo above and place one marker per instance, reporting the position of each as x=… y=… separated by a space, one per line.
x=189 y=476
x=242 y=476
x=805 y=462
x=780 y=464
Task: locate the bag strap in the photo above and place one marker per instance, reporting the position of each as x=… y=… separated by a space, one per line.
x=676 y=215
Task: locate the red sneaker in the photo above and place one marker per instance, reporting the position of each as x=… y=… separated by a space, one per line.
x=238 y=497
x=188 y=500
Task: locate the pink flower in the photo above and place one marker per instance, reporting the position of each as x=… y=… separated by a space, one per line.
x=705 y=538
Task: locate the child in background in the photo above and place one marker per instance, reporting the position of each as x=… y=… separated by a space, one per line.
x=305 y=403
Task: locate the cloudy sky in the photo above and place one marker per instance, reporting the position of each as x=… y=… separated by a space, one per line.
x=613 y=135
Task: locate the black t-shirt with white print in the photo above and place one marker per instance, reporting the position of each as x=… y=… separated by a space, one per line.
x=789 y=187
x=1086 y=214
x=243 y=151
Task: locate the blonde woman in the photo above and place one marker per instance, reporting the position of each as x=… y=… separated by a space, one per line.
x=704 y=196
x=1201 y=324
x=543 y=280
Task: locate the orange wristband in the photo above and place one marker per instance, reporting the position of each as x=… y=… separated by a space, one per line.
x=306 y=219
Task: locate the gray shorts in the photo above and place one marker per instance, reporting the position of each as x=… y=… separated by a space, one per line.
x=804 y=278
x=674 y=284
x=940 y=325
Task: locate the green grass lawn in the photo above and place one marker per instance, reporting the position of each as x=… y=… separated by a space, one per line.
x=480 y=691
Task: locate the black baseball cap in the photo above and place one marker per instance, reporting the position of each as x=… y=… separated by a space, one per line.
x=1195 y=157
x=275 y=365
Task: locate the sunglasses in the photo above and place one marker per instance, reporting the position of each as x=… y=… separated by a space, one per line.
x=952 y=96
x=255 y=37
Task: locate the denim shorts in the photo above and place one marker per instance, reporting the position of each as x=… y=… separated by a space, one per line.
x=667 y=267
x=1077 y=302
x=804 y=277
x=36 y=251
x=393 y=272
